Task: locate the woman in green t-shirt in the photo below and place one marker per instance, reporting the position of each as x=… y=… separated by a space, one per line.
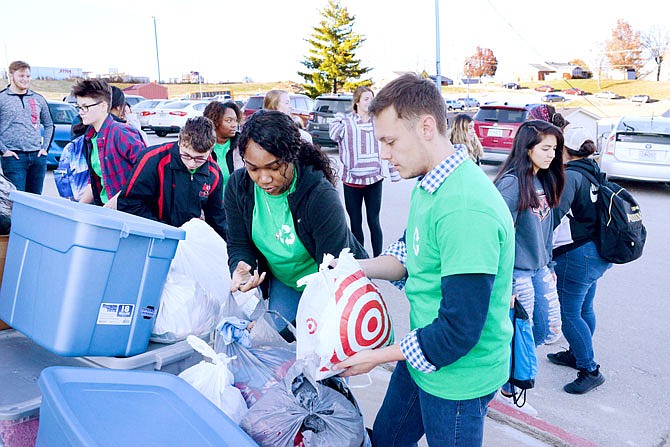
x=283 y=211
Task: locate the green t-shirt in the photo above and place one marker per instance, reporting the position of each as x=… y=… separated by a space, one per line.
x=273 y=232
x=221 y=150
x=464 y=227
x=97 y=168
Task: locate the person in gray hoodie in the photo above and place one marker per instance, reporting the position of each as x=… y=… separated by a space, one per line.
x=531 y=182
x=23 y=114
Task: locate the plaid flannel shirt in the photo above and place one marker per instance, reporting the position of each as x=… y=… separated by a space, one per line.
x=409 y=345
x=119 y=145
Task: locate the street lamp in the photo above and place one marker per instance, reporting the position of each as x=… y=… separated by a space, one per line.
x=438 y=77
x=467 y=96
x=158 y=63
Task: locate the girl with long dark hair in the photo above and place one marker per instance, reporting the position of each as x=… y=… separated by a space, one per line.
x=531 y=181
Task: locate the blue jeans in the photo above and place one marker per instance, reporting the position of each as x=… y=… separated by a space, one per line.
x=536 y=291
x=408 y=413
x=26 y=172
x=284 y=300
x=578 y=272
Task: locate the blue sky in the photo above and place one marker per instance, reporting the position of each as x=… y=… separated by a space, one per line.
x=264 y=39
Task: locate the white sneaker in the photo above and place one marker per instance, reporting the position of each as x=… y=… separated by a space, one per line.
x=509 y=401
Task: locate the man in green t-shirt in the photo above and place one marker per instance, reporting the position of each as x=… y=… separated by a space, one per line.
x=457 y=257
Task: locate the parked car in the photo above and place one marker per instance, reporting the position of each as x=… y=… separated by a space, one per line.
x=640 y=98
x=638 y=148
x=469 y=102
x=221 y=98
x=62 y=115
x=454 y=104
x=553 y=97
x=301 y=106
x=545 y=88
x=511 y=85
x=325 y=108
x=132 y=100
x=171 y=117
x=147 y=108
x=574 y=91
x=496 y=125
x=607 y=95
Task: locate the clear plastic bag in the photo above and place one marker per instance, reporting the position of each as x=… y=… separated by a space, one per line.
x=260 y=367
x=186 y=309
x=301 y=411
x=215 y=381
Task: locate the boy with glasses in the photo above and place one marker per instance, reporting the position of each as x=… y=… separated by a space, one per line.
x=23 y=113
x=178 y=181
x=110 y=147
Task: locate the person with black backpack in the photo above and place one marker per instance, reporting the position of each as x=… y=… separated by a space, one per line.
x=578 y=263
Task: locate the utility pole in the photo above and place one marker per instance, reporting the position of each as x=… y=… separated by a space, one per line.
x=438 y=77
x=158 y=62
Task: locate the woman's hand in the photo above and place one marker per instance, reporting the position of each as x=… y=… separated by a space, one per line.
x=243 y=280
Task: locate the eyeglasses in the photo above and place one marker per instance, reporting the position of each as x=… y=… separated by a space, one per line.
x=85 y=108
x=187 y=157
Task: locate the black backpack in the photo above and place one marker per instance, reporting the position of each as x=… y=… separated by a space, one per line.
x=621 y=233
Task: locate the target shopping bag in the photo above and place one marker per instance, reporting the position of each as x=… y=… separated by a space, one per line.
x=341 y=312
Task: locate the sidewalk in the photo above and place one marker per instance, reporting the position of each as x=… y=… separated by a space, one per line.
x=505 y=426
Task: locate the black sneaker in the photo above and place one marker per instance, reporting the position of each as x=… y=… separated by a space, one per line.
x=585 y=381
x=563 y=358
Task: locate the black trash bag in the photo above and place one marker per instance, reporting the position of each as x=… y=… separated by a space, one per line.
x=301 y=411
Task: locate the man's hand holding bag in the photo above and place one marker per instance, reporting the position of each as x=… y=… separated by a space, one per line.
x=341 y=312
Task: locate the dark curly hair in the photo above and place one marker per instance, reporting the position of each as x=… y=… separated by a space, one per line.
x=216 y=109
x=278 y=134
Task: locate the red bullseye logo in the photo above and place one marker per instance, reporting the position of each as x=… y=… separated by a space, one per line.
x=365 y=322
x=311 y=325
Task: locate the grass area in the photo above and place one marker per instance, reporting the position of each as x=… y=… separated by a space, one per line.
x=57 y=90
x=655 y=90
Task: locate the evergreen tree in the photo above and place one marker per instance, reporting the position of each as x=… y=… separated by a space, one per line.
x=331 y=64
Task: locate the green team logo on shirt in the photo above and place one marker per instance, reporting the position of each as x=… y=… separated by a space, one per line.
x=415 y=244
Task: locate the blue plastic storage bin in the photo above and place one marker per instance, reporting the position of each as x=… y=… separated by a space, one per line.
x=81 y=279
x=97 y=407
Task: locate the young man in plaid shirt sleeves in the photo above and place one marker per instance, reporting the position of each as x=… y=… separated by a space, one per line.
x=111 y=148
x=457 y=256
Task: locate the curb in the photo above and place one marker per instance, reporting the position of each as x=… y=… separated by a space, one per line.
x=539 y=429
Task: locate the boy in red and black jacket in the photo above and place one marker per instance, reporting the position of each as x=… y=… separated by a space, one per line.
x=178 y=181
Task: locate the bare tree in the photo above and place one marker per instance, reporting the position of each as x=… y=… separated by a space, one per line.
x=656 y=42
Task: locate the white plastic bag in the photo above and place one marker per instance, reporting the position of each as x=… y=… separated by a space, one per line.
x=215 y=381
x=341 y=312
x=203 y=256
x=196 y=287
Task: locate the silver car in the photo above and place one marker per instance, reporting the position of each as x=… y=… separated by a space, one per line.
x=145 y=109
x=638 y=148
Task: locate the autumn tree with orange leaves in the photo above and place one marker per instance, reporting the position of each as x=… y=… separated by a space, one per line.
x=482 y=63
x=624 y=50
